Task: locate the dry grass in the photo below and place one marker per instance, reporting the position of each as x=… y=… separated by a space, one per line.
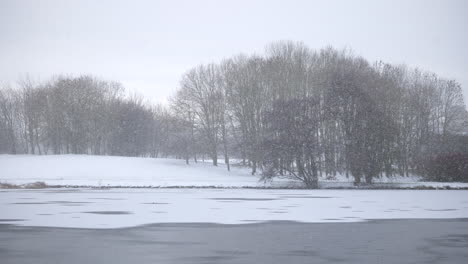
x=34 y=185
x=8 y=186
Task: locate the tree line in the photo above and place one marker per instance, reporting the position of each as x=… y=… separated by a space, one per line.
x=291 y=112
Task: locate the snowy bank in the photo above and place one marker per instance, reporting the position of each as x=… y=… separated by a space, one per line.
x=111 y=171
x=103 y=171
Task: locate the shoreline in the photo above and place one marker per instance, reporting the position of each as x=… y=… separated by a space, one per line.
x=380 y=186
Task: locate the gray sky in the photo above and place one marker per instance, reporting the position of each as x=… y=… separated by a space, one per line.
x=148 y=45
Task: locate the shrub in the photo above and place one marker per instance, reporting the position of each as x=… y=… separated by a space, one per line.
x=447 y=167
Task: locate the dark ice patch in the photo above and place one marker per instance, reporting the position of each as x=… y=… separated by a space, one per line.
x=441 y=210
x=307 y=197
x=104 y=198
x=69 y=202
x=109 y=212
x=243 y=199
x=290 y=206
x=64 y=203
x=399 y=210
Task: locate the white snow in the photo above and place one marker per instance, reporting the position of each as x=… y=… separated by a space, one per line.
x=83 y=170
x=116 y=208
x=102 y=171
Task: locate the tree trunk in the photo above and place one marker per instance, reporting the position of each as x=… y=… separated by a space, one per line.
x=226 y=158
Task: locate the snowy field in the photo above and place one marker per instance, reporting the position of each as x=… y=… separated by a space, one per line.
x=105 y=171
x=101 y=171
x=116 y=208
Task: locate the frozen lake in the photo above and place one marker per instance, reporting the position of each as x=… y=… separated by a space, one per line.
x=233 y=226
x=119 y=208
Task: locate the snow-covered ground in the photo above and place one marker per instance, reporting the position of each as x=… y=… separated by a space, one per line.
x=99 y=171
x=115 y=208
x=105 y=171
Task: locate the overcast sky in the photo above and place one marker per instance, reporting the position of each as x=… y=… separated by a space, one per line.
x=148 y=45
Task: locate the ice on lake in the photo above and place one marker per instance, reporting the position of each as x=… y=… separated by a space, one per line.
x=117 y=208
